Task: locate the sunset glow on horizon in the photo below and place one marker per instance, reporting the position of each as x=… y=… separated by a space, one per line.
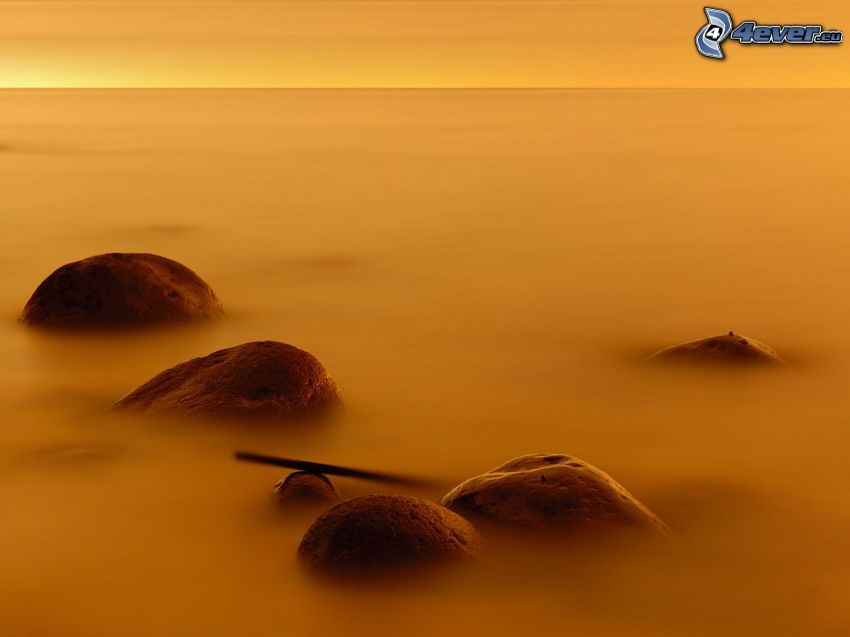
x=472 y=44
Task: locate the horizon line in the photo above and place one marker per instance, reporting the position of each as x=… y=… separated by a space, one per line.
x=415 y=88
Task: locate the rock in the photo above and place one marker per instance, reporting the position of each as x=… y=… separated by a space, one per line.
x=121 y=289
x=377 y=533
x=726 y=349
x=261 y=380
x=551 y=493
x=302 y=488
x=72 y=456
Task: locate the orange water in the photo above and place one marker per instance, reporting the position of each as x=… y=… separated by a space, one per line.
x=482 y=272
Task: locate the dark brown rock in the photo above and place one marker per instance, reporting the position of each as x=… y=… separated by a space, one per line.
x=551 y=493
x=302 y=488
x=386 y=532
x=261 y=380
x=117 y=290
x=726 y=349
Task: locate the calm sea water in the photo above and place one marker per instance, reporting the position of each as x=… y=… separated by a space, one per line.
x=482 y=272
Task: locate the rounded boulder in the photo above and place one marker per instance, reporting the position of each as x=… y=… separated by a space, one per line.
x=379 y=533
x=263 y=380
x=726 y=349
x=120 y=290
x=551 y=493
x=302 y=488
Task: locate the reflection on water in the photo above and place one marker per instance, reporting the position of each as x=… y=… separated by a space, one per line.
x=482 y=273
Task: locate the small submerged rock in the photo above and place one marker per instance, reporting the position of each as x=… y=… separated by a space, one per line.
x=551 y=493
x=302 y=488
x=726 y=349
x=120 y=290
x=70 y=456
x=264 y=380
x=378 y=533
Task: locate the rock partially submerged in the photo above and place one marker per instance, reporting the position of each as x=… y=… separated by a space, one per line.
x=304 y=489
x=726 y=349
x=551 y=493
x=263 y=380
x=120 y=290
x=379 y=533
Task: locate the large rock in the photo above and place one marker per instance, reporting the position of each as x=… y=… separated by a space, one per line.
x=304 y=489
x=118 y=289
x=551 y=493
x=385 y=532
x=726 y=349
x=261 y=380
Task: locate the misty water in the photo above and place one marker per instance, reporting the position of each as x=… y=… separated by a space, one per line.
x=482 y=272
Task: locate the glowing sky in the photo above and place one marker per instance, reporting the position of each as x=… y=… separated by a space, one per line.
x=478 y=43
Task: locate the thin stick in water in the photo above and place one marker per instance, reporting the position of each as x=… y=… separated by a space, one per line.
x=330 y=469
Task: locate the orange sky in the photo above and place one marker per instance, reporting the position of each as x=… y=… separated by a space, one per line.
x=478 y=43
